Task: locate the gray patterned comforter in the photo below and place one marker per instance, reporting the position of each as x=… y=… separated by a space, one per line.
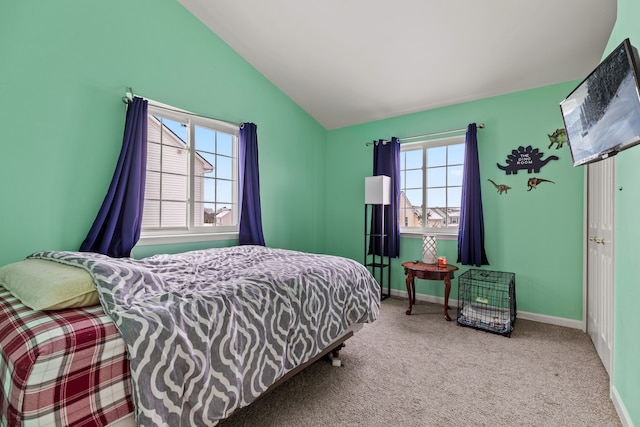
x=208 y=331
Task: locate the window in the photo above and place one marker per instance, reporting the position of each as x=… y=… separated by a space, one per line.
x=431 y=185
x=192 y=175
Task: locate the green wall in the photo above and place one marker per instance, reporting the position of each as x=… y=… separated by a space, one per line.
x=64 y=69
x=536 y=234
x=626 y=340
x=65 y=65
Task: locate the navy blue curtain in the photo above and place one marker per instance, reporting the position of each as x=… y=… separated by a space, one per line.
x=249 y=180
x=471 y=229
x=116 y=229
x=386 y=161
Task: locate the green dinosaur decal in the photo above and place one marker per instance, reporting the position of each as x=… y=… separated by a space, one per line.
x=559 y=137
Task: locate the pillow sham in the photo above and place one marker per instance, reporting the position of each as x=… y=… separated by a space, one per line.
x=48 y=285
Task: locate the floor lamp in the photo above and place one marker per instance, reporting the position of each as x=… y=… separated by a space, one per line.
x=377 y=192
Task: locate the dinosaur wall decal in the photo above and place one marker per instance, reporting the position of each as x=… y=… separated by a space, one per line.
x=525 y=158
x=533 y=182
x=502 y=188
x=559 y=137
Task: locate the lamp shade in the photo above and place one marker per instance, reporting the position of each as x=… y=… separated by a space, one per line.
x=377 y=190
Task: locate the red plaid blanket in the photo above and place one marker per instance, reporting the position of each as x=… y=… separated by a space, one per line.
x=61 y=368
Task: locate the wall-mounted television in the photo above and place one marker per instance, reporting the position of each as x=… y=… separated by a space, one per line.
x=602 y=115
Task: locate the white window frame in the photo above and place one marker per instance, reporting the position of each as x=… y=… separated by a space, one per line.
x=192 y=233
x=447 y=233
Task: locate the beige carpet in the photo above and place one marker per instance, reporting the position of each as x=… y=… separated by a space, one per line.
x=420 y=370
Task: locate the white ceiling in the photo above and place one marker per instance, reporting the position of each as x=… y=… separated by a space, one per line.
x=354 y=61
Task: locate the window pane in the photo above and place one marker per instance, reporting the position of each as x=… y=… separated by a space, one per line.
x=174 y=187
x=436 y=177
x=173 y=214
x=175 y=159
x=224 y=167
x=414 y=197
x=435 y=218
x=204 y=189
x=413 y=179
x=205 y=164
x=225 y=144
x=204 y=214
x=436 y=197
x=224 y=191
x=413 y=159
x=211 y=214
x=455 y=196
x=154 y=127
x=176 y=130
x=151 y=214
x=153 y=157
x=411 y=217
x=152 y=186
x=205 y=139
x=456 y=154
x=454 y=175
x=453 y=218
x=436 y=156
x=225 y=215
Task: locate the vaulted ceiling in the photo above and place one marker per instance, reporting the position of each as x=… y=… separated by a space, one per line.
x=353 y=61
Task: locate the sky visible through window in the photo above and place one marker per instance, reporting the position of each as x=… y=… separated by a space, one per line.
x=444 y=175
x=205 y=144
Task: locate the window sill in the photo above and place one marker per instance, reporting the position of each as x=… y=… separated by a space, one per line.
x=167 y=239
x=419 y=234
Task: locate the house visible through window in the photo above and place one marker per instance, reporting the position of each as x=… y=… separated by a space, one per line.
x=192 y=174
x=431 y=185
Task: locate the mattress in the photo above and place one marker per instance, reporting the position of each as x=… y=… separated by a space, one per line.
x=66 y=367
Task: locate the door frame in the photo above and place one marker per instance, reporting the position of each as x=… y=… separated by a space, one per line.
x=585 y=249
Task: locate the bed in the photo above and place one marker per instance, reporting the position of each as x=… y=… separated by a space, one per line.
x=182 y=339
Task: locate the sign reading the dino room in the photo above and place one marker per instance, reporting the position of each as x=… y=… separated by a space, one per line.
x=529 y=159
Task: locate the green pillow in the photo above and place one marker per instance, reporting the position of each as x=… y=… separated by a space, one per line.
x=49 y=285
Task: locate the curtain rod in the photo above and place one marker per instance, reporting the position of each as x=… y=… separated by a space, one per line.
x=128 y=98
x=480 y=126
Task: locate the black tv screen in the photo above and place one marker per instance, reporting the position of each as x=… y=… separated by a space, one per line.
x=602 y=115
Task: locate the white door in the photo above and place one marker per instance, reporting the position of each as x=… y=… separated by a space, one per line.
x=600 y=220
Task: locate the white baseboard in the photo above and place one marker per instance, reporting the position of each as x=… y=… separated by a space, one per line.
x=620 y=408
x=552 y=320
x=422 y=297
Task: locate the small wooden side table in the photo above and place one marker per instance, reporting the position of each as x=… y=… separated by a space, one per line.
x=428 y=272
